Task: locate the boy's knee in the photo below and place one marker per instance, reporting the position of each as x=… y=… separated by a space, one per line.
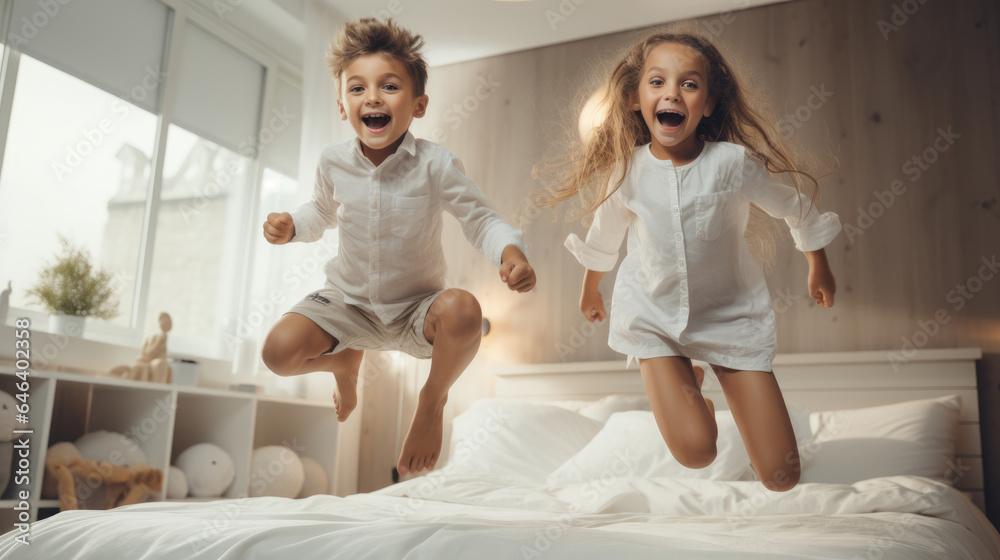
x=278 y=356
x=464 y=316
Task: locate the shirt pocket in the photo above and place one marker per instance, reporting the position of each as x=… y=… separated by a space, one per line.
x=710 y=214
x=408 y=214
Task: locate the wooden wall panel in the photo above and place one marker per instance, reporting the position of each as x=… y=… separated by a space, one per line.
x=889 y=99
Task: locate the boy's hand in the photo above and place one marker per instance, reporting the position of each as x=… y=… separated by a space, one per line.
x=821 y=283
x=592 y=306
x=515 y=270
x=279 y=229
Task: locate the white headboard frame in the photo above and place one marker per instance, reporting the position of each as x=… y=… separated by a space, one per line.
x=817 y=382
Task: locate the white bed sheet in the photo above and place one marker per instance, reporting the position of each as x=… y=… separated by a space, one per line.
x=468 y=515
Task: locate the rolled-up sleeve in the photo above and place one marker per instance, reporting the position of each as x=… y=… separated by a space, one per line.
x=481 y=222
x=604 y=238
x=313 y=218
x=811 y=231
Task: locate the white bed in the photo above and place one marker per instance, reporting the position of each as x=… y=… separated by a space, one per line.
x=501 y=494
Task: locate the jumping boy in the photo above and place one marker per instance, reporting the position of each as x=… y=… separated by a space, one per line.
x=385 y=191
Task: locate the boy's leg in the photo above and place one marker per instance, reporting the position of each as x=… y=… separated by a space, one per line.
x=453 y=326
x=295 y=345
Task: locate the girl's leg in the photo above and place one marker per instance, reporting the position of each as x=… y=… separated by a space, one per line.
x=454 y=325
x=685 y=418
x=761 y=416
x=295 y=345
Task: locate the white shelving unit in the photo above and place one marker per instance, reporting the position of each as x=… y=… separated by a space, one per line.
x=164 y=420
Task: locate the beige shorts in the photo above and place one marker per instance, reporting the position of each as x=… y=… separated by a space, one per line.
x=360 y=329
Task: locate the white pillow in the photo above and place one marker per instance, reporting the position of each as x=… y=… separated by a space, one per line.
x=602 y=409
x=630 y=444
x=907 y=438
x=519 y=441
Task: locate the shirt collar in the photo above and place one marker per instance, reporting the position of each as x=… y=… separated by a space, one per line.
x=409 y=145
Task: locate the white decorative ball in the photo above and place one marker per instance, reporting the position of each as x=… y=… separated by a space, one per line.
x=208 y=468
x=110 y=447
x=177 y=484
x=316 y=481
x=276 y=471
x=8 y=416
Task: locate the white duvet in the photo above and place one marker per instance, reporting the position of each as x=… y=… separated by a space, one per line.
x=469 y=515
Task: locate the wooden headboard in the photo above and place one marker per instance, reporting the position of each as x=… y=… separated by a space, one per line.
x=816 y=382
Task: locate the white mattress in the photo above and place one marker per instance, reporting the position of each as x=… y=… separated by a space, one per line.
x=469 y=515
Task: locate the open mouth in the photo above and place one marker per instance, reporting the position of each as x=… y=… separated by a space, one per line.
x=670 y=118
x=376 y=121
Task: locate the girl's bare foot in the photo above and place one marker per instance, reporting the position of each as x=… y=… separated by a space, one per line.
x=699 y=377
x=422 y=445
x=345 y=396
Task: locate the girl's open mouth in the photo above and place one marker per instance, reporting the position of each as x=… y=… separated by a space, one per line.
x=670 y=119
x=376 y=122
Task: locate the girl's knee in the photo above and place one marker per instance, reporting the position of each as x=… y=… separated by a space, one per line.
x=780 y=480
x=696 y=456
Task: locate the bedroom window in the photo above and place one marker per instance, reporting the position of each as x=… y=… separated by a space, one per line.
x=206 y=194
x=153 y=165
x=76 y=165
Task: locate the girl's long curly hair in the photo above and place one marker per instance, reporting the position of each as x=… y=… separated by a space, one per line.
x=596 y=171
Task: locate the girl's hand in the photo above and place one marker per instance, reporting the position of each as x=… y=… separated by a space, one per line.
x=592 y=306
x=822 y=285
x=279 y=229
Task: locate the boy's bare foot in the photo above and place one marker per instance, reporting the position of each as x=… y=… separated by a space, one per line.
x=699 y=377
x=422 y=445
x=345 y=396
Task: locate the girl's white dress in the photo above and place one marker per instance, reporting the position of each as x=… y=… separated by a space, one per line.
x=688 y=285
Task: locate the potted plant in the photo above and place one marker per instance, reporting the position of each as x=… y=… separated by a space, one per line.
x=71 y=290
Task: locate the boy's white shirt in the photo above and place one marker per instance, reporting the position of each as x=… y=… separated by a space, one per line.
x=689 y=275
x=390 y=222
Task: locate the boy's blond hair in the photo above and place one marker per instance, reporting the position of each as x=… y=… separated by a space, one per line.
x=372 y=36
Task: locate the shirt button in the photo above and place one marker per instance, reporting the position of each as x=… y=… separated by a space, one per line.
x=681 y=263
x=374 y=204
x=675 y=209
x=678 y=236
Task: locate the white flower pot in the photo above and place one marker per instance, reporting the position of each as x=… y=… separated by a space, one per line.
x=67 y=325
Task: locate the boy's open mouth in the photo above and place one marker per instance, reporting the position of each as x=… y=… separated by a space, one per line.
x=376 y=121
x=670 y=118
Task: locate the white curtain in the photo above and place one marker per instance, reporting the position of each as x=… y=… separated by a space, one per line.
x=321 y=125
x=321 y=122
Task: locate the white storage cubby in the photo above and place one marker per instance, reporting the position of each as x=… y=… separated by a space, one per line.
x=163 y=420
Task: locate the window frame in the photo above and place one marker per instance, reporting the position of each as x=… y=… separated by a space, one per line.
x=276 y=67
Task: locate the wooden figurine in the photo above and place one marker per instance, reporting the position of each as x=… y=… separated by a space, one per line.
x=151 y=365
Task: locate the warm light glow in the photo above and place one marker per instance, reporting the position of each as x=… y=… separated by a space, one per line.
x=592 y=115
